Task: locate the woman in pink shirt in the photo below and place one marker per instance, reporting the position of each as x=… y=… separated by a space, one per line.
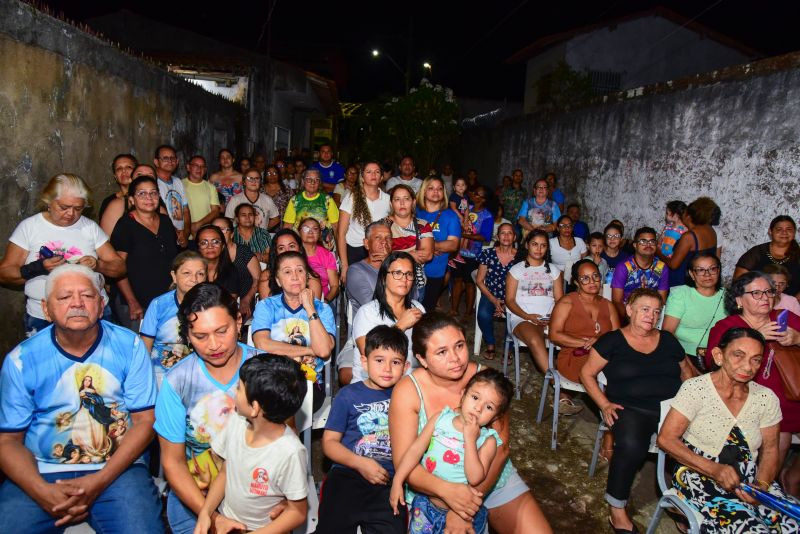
x=320 y=259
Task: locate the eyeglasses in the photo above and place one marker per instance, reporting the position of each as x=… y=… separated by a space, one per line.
x=311 y=180
x=398 y=275
x=309 y=229
x=587 y=277
x=147 y=194
x=272 y=173
x=168 y=158
x=706 y=270
x=565 y=225
x=759 y=294
x=256 y=178
x=613 y=236
x=205 y=243
x=645 y=242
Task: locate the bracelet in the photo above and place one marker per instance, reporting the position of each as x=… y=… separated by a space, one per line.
x=763 y=484
x=313 y=316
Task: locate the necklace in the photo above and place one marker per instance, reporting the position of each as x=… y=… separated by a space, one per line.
x=773 y=259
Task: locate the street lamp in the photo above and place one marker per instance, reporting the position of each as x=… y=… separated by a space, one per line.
x=427 y=66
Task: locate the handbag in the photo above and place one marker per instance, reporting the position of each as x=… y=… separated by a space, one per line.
x=787 y=362
x=699 y=356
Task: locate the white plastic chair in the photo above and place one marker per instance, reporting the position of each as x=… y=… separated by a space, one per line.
x=511 y=338
x=669 y=496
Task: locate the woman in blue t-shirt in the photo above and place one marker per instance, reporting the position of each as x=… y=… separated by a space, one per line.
x=197 y=398
x=294 y=323
x=159 y=330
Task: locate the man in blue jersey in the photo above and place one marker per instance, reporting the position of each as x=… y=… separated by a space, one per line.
x=330 y=171
x=76 y=413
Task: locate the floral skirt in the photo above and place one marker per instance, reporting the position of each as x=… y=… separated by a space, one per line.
x=723 y=512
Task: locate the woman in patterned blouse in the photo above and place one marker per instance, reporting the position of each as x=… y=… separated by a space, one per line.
x=491 y=280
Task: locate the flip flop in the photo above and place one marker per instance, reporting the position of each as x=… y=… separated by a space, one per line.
x=634 y=530
x=489 y=354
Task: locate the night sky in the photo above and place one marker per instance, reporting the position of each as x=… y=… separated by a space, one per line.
x=466 y=46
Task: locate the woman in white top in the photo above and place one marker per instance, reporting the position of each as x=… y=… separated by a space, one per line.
x=532 y=288
x=565 y=248
x=392 y=306
x=722 y=428
x=57 y=235
x=366 y=204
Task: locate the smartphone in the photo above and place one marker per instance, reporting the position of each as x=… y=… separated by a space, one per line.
x=544 y=318
x=46 y=253
x=783 y=320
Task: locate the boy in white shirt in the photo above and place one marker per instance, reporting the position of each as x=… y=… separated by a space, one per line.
x=264 y=462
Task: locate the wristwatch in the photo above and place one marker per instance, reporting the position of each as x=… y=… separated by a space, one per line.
x=313 y=316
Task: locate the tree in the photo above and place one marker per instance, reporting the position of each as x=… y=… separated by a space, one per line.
x=422 y=123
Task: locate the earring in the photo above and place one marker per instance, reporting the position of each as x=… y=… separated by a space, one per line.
x=739 y=307
x=718 y=363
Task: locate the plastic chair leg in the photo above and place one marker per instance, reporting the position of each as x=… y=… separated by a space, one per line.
x=597 y=443
x=505 y=358
x=656 y=519
x=556 y=405
x=516 y=369
x=540 y=414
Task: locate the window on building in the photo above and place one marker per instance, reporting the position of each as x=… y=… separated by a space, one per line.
x=604 y=82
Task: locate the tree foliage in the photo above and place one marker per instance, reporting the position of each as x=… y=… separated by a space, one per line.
x=422 y=123
x=563 y=86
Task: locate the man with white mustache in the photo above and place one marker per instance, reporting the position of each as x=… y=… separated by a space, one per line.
x=76 y=413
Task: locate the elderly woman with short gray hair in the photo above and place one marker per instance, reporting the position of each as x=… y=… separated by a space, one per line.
x=57 y=235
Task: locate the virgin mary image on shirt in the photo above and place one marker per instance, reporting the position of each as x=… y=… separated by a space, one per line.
x=90 y=428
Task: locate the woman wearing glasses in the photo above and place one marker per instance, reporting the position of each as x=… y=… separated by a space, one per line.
x=750 y=303
x=701 y=237
x=277 y=190
x=578 y=319
x=694 y=308
x=147 y=242
x=246 y=264
x=392 y=306
x=321 y=260
x=612 y=249
x=267 y=214
x=565 y=248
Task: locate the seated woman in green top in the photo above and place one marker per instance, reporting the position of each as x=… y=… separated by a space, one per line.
x=694 y=308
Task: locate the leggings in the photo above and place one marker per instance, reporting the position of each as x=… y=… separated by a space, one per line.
x=632 y=432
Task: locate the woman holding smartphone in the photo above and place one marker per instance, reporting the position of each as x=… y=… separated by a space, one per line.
x=532 y=288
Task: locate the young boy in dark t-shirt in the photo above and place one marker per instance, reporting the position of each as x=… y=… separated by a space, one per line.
x=356 y=490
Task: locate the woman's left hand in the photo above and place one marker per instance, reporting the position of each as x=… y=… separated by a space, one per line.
x=790 y=337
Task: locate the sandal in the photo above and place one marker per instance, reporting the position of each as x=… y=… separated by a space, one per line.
x=489 y=354
x=605 y=454
x=634 y=530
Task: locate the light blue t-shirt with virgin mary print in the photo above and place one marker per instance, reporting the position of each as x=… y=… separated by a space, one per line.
x=74 y=411
x=292 y=325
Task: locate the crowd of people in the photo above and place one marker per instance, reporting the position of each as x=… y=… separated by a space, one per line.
x=137 y=324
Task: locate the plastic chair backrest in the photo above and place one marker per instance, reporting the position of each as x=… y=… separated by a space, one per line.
x=662 y=482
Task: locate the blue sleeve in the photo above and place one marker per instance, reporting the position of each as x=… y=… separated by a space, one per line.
x=558 y=196
x=262 y=317
x=139 y=389
x=149 y=325
x=337 y=418
x=16 y=402
x=487 y=227
x=326 y=315
x=523 y=210
x=556 y=213
x=453 y=226
x=453 y=198
x=170 y=415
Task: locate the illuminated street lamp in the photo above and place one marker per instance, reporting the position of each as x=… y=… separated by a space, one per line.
x=405 y=73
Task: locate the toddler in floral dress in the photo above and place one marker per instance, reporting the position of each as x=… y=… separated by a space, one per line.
x=455 y=446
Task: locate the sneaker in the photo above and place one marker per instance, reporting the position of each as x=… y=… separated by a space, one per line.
x=567 y=407
x=459 y=259
x=451 y=264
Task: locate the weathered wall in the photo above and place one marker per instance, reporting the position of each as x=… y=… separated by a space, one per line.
x=733 y=135
x=70 y=102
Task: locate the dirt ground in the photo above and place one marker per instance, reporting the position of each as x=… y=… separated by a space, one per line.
x=572 y=501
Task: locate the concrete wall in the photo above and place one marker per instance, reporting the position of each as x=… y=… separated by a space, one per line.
x=733 y=136
x=70 y=102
